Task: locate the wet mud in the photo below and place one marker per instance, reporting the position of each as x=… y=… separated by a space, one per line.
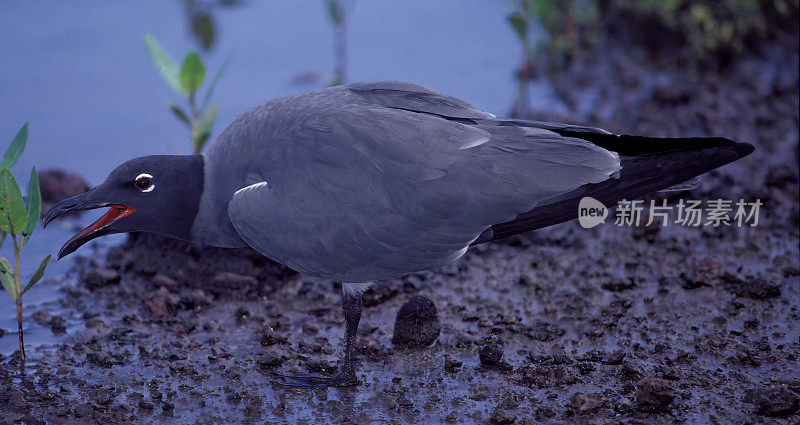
x=628 y=325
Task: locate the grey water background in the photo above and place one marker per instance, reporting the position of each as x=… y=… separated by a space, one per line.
x=79 y=73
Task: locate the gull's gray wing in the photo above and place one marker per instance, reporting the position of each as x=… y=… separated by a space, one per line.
x=366 y=182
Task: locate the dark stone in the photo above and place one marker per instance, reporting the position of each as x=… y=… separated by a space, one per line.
x=774 y=402
x=83 y=410
x=57 y=185
x=654 y=394
x=452 y=365
x=490 y=354
x=101 y=276
x=619 y=285
x=417 y=323
x=501 y=415
x=161 y=304
x=381 y=291
x=269 y=360
x=585 y=404
x=544 y=332
x=58 y=325
x=2 y=332
x=758 y=288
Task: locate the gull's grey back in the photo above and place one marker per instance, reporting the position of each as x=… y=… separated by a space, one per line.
x=377 y=180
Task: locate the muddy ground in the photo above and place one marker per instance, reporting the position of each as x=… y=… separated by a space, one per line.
x=608 y=325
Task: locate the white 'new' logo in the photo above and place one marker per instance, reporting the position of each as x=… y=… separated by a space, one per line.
x=591 y=212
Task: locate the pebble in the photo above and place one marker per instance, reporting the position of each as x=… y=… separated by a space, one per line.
x=654 y=394
x=452 y=365
x=58 y=325
x=490 y=354
x=101 y=276
x=774 y=402
x=585 y=404
x=269 y=360
x=417 y=323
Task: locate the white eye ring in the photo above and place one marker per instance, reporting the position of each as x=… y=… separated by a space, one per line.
x=145 y=175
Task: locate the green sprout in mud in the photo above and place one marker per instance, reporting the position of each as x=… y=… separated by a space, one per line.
x=18 y=218
x=337 y=17
x=186 y=80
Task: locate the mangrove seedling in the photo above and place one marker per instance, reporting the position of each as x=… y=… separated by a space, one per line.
x=18 y=218
x=337 y=17
x=186 y=80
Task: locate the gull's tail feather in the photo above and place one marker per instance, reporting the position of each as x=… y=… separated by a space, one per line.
x=648 y=165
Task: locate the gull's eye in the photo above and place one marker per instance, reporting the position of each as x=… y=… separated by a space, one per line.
x=144 y=182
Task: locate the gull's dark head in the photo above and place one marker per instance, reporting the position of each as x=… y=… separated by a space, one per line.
x=157 y=194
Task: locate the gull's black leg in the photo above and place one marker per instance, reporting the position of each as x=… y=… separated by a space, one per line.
x=346 y=374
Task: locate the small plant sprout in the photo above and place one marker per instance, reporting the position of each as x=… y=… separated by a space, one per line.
x=337 y=16
x=18 y=219
x=186 y=80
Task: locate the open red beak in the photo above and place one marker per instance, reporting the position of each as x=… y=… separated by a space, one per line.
x=100 y=227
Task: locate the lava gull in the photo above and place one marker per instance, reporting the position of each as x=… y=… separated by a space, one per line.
x=373 y=181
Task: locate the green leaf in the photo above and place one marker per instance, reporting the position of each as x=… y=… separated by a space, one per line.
x=192 y=73
x=2 y=237
x=214 y=82
x=520 y=26
x=179 y=113
x=164 y=62
x=7 y=278
x=33 y=206
x=13 y=216
x=16 y=147
x=38 y=275
x=203 y=130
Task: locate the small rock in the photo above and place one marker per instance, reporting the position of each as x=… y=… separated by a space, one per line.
x=624 y=405
x=321 y=366
x=161 y=304
x=501 y=415
x=585 y=404
x=270 y=337
x=774 y=402
x=381 y=291
x=16 y=401
x=417 y=323
x=758 y=288
x=2 y=332
x=41 y=317
x=619 y=285
x=146 y=405
x=269 y=360
x=707 y=273
x=614 y=358
x=654 y=394
x=83 y=410
x=95 y=322
x=404 y=401
x=58 y=325
x=57 y=185
x=452 y=365
x=101 y=276
x=490 y=354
